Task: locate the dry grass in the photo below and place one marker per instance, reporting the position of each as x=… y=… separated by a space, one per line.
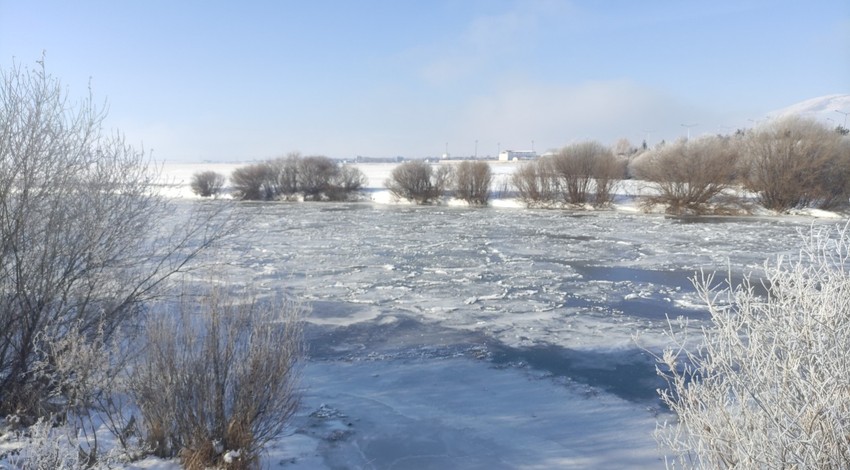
x=220 y=374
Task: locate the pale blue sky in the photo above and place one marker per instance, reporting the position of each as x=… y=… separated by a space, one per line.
x=225 y=81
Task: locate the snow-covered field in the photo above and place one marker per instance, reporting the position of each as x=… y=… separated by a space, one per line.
x=501 y=337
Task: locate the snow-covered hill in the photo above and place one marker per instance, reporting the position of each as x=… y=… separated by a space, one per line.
x=822 y=109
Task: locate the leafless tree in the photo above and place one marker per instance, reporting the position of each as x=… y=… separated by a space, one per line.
x=624 y=148
x=82 y=246
x=255 y=182
x=347 y=180
x=286 y=175
x=472 y=182
x=535 y=182
x=689 y=175
x=315 y=176
x=795 y=162
x=416 y=181
x=609 y=172
x=207 y=183
x=587 y=172
x=219 y=375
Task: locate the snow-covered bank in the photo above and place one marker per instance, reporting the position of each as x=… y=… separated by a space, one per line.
x=174 y=180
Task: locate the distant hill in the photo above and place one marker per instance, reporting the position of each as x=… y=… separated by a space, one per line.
x=821 y=109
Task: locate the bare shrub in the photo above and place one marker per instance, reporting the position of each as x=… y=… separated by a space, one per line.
x=256 y=182
x=315 y=176
x=535 y=183
x=348 y=180
x=766 y=384
x=795 y=162
x=609 y=172
x=207 y=183
x=472 y=182
x=218 y=376
x=286 y=175
x=587 y=172
x=689 y=175
x=81 y=245
x=416 y=181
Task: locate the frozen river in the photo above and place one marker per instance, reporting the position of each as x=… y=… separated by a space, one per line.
x=408 y=304
x=522 y=277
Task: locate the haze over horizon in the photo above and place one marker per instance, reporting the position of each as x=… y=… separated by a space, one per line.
x=222 y=81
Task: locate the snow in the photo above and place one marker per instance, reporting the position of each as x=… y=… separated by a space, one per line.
x=819 y=108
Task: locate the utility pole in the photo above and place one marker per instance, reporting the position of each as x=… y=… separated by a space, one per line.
x=689 y=126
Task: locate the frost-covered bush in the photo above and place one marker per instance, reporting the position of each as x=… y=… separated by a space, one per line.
x=218 y=378
x=47 y=448
x=767 y=385
x=81 y=245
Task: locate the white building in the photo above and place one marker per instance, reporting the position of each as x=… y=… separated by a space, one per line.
x=514 y=155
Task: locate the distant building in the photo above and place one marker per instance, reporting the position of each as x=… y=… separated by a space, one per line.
x=514 y=155
x=362 y=159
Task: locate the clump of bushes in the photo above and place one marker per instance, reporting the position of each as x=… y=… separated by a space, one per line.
x=796 y=162
x=691 y=177
x=207 y=183
x=789 y=163
x=472 y=182
x=314 y=178
x=535 y=182
x=418 y=182
x=582 y=173
x=218 y=378
x=587 y=172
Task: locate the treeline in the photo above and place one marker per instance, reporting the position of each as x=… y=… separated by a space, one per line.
x=583 y=173
x=788 y=164
x=313 y=178
x=319 y=178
